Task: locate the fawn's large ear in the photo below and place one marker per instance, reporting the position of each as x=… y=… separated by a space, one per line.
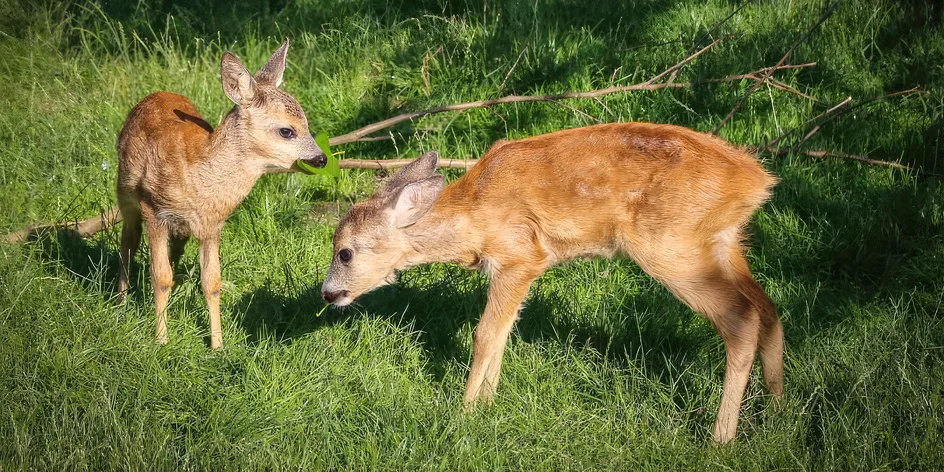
x=238 y=84
x=415 y=199
x=419 y=169
x=271 y=72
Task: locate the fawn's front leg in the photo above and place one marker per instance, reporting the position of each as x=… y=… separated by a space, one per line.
x=505 y=293
x=211 y=282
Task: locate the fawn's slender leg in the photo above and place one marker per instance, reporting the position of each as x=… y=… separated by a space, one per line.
x=770 y=338
x=505 y=293
x=770 y=347
x=130 y=241
x=211 y=281
x=162 y=276
x=737 y=320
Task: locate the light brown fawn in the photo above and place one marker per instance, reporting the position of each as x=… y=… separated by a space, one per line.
x=184 y=178
x=674 y=200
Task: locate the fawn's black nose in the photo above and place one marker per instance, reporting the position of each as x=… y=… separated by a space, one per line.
x=331 y=297
x=318 y=160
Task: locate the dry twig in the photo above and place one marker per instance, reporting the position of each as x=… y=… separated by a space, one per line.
x=82 y=229
x=647 y=85
x=708 y=34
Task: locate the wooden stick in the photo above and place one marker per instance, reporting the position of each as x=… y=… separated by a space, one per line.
x=775 y=141
x=831 y=114
x=708 y=33
x=647 y=85
x=385 y=164
x=359 y=134
x=822 y=154
x=83 y=229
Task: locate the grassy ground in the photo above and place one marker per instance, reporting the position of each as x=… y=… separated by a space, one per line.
x=605 y=370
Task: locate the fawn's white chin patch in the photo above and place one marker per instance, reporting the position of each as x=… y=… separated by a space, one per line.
x=343 y=301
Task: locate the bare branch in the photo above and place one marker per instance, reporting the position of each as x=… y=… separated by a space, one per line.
x=83 y=229
x=512 y=70
x=357 y=135
x=814 y=121
x=786 y=88
x=648 y=85
x=708 y=34
x=384 y=164
x=822 y=154
x=686 y=60
x=835 y=112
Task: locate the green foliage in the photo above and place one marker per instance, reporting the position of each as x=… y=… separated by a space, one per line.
x=605 y=370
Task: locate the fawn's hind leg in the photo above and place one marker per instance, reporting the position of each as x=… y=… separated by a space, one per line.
x=737 y=320
x=162 y=275
x=130 y=241
x=713 y=279
x=770 y=335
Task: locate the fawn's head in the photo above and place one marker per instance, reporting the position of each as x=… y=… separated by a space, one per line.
x=370 y=243
x=274 y=122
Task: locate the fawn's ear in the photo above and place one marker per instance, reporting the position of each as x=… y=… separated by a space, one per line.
x=415 y=199
x=419 y=169
x=271 y=72
x=237 y=82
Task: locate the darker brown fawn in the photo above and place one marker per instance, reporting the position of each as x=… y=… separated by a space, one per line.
x=183 y=178
x=674 y=200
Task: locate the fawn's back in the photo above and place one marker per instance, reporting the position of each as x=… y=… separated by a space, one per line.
x=631 y=188
x=162 y=140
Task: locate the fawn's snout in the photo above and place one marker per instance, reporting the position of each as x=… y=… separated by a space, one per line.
x=318 y=159
x=338 y=297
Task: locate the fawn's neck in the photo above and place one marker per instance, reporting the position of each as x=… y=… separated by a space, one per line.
x=443 y=234
x=223 y=179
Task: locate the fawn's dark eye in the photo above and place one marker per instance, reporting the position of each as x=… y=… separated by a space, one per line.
x=287 y=133
x=345 y=255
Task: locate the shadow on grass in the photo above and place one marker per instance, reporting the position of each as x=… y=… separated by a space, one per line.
x=441 y=312
x=93 y=264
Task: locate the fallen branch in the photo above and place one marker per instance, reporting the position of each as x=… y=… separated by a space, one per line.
x=757 y=76
x=826 y=14
x=647 y=85
x=386 y=164
x=820 y=154
x=82 y=229
x=775 y=141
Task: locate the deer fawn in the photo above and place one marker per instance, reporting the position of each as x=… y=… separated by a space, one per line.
x=183 y=178
x=674 y=200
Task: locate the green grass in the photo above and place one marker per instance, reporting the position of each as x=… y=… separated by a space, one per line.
x=606 y=370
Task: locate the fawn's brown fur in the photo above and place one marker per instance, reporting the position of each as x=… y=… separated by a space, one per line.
x=674 y=200
x=183 y=178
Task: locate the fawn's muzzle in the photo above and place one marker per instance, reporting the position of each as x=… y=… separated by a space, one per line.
x=332 y=297
x=319 y=160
